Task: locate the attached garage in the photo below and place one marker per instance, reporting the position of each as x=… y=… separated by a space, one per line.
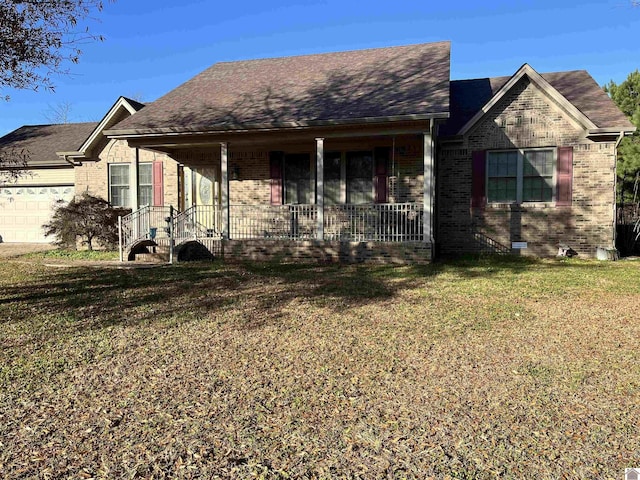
x=27 y=204
x=23 y=211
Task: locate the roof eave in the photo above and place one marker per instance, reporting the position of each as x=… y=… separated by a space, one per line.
x=248 y=128
x=611 y=131
x=73 y=158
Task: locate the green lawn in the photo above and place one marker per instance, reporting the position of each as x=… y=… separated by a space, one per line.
x=471 y=369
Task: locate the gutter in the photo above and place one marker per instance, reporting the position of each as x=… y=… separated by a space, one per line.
x=67 y=156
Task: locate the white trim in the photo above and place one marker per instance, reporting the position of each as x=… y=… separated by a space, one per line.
x=224 y=184
x=428 y=190
x=542 y=84
x=320 y=188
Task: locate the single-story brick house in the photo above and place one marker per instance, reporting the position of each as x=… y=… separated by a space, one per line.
x=363 y=154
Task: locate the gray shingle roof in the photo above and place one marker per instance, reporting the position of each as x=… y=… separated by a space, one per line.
x=577 y=86
x=41 y=142
x=310 y=89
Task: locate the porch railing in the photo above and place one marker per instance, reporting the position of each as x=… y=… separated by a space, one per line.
x=379 y=222
x=293 y=222
x=197 y=221
x=145 y=223
x=390 y=222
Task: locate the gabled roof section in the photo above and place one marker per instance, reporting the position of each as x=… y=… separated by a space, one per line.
x=541 y=83
x=41 y=142
x=123 y=108
x=471 y=99
x=408 y=82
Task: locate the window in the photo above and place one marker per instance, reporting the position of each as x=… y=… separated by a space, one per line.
x=537 y=181
x=517 y=176
x=297 y=179
x=359 y=177
x=119 y=185
x=348 y=177
x=145 y=184
x=332 y=178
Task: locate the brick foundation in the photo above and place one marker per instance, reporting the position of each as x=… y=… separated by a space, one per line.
x=315 y=251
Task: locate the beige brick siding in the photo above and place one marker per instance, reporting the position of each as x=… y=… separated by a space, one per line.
x=93 y=176
x=526 y=118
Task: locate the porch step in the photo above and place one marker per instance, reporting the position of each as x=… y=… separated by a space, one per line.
x=158 y=257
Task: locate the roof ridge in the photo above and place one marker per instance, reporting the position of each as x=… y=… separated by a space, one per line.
x=355 y=50
x=54 y=124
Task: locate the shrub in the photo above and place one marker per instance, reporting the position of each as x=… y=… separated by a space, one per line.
x=87 y=219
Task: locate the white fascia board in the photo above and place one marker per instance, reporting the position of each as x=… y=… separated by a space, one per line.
x=106 y=123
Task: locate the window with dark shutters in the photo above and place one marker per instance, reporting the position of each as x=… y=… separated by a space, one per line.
x=275 y=174
x=564 y=176
x=158 y=184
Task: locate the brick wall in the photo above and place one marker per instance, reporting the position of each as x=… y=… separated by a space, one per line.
x=253 y=186
x=93 y=176
x=526 y=118
x=314 y=251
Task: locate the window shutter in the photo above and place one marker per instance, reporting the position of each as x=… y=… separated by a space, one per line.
x=564 y=176
x=478 y=172
x=275 y=169
x=158 y=185
x=381 y=155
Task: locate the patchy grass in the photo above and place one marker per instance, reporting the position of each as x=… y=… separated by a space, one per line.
x=65 y=254
x=474 y=369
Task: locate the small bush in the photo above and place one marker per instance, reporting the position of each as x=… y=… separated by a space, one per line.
x=86 y=219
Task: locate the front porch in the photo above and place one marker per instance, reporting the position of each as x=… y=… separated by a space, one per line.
x=348 y=232
x=365 y=189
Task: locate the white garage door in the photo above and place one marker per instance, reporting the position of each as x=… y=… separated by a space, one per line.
x=23 y=211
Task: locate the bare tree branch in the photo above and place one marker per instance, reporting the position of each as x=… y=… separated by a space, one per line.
x=40 y=37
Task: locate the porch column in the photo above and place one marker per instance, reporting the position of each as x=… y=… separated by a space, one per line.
x=133 y=182
x=428 y=188
x=224 y=184
x=320 y=188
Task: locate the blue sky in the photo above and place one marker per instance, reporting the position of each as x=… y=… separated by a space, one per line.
x=152 y=46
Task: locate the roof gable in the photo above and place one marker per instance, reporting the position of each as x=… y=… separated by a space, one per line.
x=542 y=84
x=121 y=109
x=469 y=97
x=345 y=87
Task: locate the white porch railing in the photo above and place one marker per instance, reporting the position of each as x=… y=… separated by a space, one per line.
x=385 y=222
x=146 y=223
x=197 y=221
x=292 y=222
x=378 y=222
